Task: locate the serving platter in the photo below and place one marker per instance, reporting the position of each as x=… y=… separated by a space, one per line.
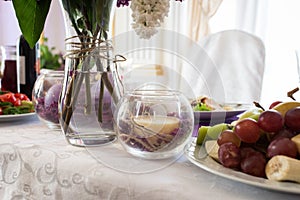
x=198 y=156
x=17 y=117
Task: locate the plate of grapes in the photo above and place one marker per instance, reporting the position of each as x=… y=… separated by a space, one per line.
x=260 y=148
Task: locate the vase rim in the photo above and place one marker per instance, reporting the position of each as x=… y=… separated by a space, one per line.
x=153 y=92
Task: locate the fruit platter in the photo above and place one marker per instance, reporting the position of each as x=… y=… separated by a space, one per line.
x=261 y=147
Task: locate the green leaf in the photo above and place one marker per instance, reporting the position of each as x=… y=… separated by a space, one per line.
x=31 y=15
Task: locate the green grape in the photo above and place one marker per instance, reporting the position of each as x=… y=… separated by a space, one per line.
x=250 y=113
x=202 y=134
x=214 y=131
x=255 y=116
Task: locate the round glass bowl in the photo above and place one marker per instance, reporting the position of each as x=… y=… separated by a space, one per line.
x=154 y=124
x=45 y=97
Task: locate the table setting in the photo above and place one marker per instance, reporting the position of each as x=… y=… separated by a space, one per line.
x=91 y=132
x=37 y=162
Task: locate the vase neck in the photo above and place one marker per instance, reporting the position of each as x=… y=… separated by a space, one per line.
x=84 y=19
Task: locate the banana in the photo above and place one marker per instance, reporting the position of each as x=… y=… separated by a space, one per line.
x=296 y=140
x=283 y=168
x=285 y=106
x=212 y=148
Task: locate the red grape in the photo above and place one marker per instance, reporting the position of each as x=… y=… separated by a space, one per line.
x=247 y=130
x=282 y=146
x=246 y=151
x=270 y=121
x=283 y=133
x=229 y=155
x=253 y=163
x=292 y=119
x=228 y=136
x=274 y=104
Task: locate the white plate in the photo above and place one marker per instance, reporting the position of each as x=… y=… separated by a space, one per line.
x=221 y=114
x=195 y=154
x=7 y=118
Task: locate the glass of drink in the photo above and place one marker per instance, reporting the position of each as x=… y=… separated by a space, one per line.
x=9 y=69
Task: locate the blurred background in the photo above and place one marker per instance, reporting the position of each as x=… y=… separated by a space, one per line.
x=275 y=22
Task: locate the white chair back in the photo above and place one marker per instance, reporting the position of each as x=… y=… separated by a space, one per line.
x=239 y=58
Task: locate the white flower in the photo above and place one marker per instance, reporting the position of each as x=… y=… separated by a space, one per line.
x=148 y=15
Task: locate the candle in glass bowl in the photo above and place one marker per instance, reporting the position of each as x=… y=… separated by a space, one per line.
x=45 y=97
x=154 y=124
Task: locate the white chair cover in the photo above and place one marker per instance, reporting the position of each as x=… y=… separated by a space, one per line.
x=239 y=58
x=227 y=66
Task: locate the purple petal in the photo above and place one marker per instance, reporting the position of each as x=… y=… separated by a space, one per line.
x=122 y=3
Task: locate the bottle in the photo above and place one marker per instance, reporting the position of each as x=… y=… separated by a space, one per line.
x=8 y=73
x=28 y=65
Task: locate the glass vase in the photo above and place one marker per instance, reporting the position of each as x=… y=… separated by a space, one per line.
x=45 y=96
x=88 y=93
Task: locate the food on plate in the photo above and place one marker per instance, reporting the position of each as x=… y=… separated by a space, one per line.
x=202 y=131
x=285 y=106
x=258 y=141
x=270 y=121
x=204 y=103
x=274 y=104
x=296 y=140
x=283 y=168
x=229 y=155
x=253 y=113
x=282 y=146
x=214 y=131
x=14 y=103
x=247 y=130
x=253 y=162
x=292 y=119
x=212 y=148
x=228 y=136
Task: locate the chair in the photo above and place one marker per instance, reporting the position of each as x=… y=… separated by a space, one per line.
x=239 y=58
x=227 y=66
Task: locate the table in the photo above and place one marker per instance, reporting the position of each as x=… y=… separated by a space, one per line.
x=38 y=163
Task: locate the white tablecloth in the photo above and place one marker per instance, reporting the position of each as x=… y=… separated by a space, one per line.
x=37 y=163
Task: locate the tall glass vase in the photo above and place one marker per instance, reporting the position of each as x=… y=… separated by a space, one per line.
x=88 y=93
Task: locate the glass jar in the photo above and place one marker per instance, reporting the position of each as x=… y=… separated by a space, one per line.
x=9 y=78
x=45 y=97
x=154 y=124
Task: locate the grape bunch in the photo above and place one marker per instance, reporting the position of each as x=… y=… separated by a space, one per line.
x=248 y=143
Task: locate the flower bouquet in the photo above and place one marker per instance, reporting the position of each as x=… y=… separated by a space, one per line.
x=91 y=83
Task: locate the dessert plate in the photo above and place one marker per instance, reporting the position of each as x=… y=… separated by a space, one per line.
x=197 y=155
x=233 y=110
